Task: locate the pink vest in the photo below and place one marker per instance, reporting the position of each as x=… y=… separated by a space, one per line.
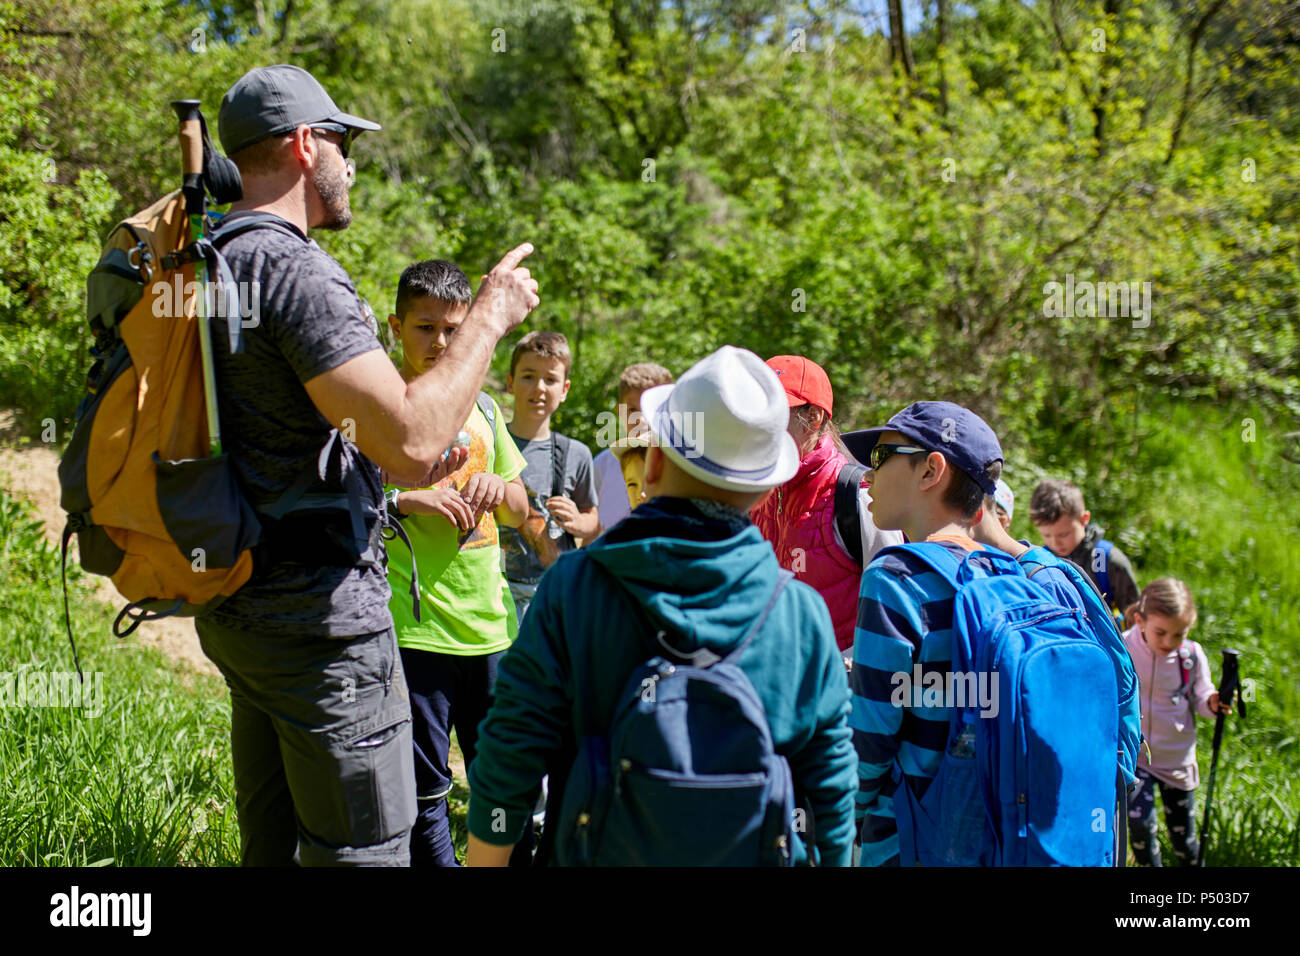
x=798 y=518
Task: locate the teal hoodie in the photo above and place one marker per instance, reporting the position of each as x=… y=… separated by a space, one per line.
x=703 y=580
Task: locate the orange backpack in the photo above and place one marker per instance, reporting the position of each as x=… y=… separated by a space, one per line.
x=150 y=506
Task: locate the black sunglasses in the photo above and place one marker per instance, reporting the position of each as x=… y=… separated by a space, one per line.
x=882 y=452
x=348 y=132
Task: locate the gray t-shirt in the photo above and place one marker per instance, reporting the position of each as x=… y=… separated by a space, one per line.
x=538 y=476
x=309 y=321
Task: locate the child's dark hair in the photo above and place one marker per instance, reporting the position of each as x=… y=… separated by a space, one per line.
x=550 y=345
x=432 y=279
x=1053 y=498
x=963 y=493
x=1168 y=597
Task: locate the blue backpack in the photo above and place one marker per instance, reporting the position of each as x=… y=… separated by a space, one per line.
x=686 y=775
x=1035 y=783
x=1107 y=634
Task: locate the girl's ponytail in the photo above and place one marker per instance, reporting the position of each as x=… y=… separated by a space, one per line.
x=1130 y=613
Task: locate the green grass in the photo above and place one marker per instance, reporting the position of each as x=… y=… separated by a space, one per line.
x=1184 y=495
x=1224 y=515
x=148 y=781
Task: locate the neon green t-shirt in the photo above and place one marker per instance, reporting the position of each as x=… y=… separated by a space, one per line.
x=465 y=603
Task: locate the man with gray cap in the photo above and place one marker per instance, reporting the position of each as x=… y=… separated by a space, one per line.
x=688 y=566
x=311 y=410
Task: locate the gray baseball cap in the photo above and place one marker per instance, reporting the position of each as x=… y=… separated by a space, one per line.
x=275 y=100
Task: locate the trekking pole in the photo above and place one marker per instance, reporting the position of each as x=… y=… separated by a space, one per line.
x=191 y=135
x=1228 y=684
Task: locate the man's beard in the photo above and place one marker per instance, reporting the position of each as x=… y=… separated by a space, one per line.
x=333 y=192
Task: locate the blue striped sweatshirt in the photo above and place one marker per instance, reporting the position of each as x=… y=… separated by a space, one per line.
x=904 y=620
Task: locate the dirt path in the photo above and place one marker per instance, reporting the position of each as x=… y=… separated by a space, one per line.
x=30 y=471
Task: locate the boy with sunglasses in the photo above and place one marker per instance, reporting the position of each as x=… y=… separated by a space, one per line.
x=932 y=465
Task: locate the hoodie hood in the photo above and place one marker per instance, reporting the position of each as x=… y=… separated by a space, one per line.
x=700 y=573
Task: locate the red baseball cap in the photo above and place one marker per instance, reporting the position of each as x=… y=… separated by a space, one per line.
x=804 y=381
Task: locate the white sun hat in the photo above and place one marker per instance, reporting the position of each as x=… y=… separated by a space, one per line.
x=724 y=422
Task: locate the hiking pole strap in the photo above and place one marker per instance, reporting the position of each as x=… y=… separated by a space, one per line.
x=137 y=612
x=400 y=532
x=68 y=529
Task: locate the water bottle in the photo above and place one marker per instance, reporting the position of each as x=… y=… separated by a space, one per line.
x=462 y=440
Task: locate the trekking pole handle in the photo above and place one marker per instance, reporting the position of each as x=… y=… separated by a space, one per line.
x=1230 y=678
x=187 y=111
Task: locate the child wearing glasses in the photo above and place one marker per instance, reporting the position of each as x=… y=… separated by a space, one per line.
x=932 y=466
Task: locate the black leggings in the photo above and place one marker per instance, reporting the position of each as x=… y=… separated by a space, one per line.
x=1180 y=817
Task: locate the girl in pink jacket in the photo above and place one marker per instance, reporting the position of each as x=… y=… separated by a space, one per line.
x=798 y=518
x=1175 y=686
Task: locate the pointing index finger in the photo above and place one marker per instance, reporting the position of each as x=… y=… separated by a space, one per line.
x=516 y=255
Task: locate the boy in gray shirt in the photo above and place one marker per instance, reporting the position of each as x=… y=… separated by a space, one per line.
x=557 y=472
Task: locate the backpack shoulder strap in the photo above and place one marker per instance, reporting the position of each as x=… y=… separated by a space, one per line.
x=559 y=462
x=240 y=223
x=783 y=578
x=939 y=559
x=206 y=247
x=705 y=657
x=1039 y=560
x=847 y=519
x=1185 y=655
x=485 y=405
x=946 y=564
x=1102 y=551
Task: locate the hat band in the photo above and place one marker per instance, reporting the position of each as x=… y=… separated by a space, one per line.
x=677 y=442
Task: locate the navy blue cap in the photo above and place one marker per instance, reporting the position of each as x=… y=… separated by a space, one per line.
x=957 y=433
x=274 y=100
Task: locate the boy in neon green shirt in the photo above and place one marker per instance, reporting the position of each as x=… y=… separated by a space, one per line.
x=467 y=617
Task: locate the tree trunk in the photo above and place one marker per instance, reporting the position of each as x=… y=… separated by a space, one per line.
x=900 y=49
x=1193 y=41
x=1113 y=9
x=943 y=54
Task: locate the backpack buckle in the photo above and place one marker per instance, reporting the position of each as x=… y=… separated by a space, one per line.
x=703 y=657
x=143 y=262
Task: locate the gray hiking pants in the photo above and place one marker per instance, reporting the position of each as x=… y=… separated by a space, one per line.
x=320 y=732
